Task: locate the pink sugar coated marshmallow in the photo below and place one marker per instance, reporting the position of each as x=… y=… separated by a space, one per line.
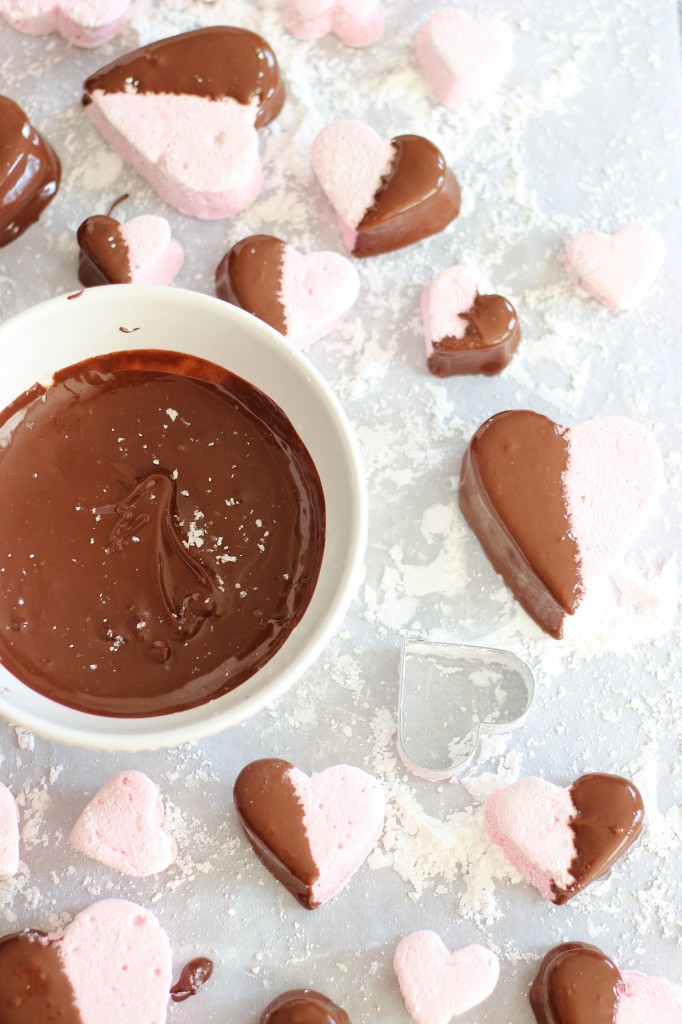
x=318 y=290
x=531 y=821
x=83 y=22
x=119 y=962
x=618 y=269
x=155 y=257
x=452 y=292
x=122 y=827
x=199 y=154
x=646 y=1000
x=9 y=834
x=438 y=985
x=350 y=161
x=612 y=483
x=355 y=22
x=464 y=58
x=343 y=818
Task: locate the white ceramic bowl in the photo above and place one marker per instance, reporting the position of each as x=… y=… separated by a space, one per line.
x=63 y=331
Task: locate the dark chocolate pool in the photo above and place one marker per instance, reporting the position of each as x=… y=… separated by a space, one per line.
x=161 y=533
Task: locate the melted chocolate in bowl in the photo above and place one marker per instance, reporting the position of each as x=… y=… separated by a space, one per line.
x=161 y=533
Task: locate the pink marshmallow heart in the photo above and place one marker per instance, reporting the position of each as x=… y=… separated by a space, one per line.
x=355 y=22
x=119 y=963
x=619 y=269
x=122 y=827
x=83 y=22
x=140 y=251
x=438 y=985
x=9 y=834
x=464 y=58
x=644 y=1000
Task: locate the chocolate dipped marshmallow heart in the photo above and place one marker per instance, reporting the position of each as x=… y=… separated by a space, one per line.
x=29 y=172
x=438 y=985
x=465 y=332
x=83 y=22
x=312 y=833
x=303 y=1006
x=303 y=296
x=561 y=840
x=111 y=964
x=140 y=251
x=554 y=507
x=579 y=984
x=618 y=269
x=387 y=194
x=185 y=113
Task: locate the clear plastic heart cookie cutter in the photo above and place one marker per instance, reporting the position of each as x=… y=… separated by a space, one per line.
x=450 y=696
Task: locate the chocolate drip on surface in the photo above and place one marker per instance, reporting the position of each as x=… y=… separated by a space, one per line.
x=511 y=494
x=172 y=533
x=34 y=988
x=609 y=820
x=303 y=1006
x=576 y=984
x=214 y=63
x=250 y=276
x=492 y=336
x=192 y=976
x=30 y=172
x=104 y=256
x=272 y=817
x=419 y=197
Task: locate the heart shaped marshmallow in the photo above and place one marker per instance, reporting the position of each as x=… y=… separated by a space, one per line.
x=140 y=251
x=355 y=22
x=386 y=194
x=554 y=507
x=465 y=332
x=9 y=834
x=122 y=827
x=111 y=965
x=30 y=172
x=312 y=833
x=617 y=269
x=579 y=984
x=438 y=985
x=303 y=296
x=184 y=112
x=464 y=58
x=83 y=22
x=561 y=840
x=303 y=1006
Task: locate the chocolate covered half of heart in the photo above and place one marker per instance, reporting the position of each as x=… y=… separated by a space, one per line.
x=140 y=251
x=30 y=172
x=561 y=840
x=185 y=112
x=555 y=507
x=312 y=833
x=303 y=1006
x=579 y=984
x=387 y=193
x=464 y=331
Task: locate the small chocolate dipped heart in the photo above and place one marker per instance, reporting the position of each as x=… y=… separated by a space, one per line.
x=30 y=172
x=387 y=194
x=554 y=507
x=561 y=840
x=111 y=963
x=576 y=984
x=140 y=251
x=303 y=296
x=465 y=332
x=303 y=1006
x=185 y=111
x=313 y=832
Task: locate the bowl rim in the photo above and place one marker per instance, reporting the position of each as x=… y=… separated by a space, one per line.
x=168 y=731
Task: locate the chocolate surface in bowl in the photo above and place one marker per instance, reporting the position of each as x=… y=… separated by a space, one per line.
x=173 y=532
